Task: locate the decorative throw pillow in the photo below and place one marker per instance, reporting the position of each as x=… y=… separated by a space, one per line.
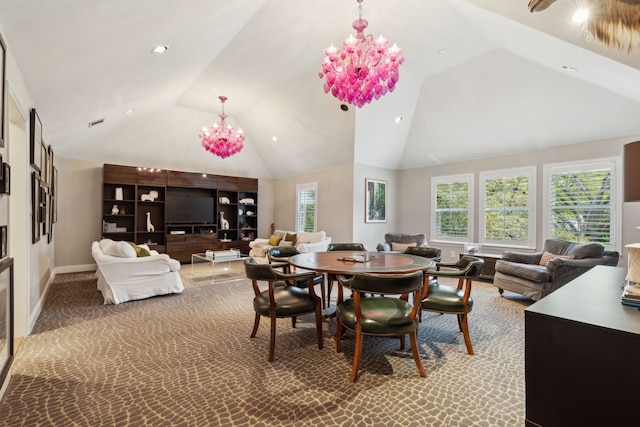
x=291 y=237
x=401 y=246
x=284 y=243
x=140 y=251
x=274 y=240
x=548 y=256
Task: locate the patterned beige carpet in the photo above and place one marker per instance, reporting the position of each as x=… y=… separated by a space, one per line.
x=187 y=360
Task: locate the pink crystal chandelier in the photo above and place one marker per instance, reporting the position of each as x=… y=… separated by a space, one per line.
x=363 y=69
x=220 y=139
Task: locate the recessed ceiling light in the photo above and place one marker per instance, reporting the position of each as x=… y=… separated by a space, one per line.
x=130 y=110
x=398 y=120
x=274 y=138
x=160 y=49
x=442 y=51
x=569 y=69
x=580 y=15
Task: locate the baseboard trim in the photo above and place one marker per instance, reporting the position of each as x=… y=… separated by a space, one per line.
x=74 y=268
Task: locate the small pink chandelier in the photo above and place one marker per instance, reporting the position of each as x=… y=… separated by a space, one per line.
x=220 y=139
x=364 y=69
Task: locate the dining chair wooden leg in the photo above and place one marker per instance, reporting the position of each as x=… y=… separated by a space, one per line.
x=338 y=335
x=402 y=342
x=272 y=339
x=465 y=333
x=357 y=353
x=416 y=353
x=319 y=326
x=256 y=323
x=293 y=321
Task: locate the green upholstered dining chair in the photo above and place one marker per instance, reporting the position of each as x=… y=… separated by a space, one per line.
x=280 y=299
x=456 y=300
x=355 y=247
x=380 y=315
x=434 y=254
x=278 y=257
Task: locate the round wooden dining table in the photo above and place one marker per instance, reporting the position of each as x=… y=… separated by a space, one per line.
x=351 y=262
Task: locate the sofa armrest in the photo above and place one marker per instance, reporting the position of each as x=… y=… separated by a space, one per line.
x=320 y=246
x=259 y=242
x=562 y=270
x=384 y=247
x=116 y=270
x=522 y=257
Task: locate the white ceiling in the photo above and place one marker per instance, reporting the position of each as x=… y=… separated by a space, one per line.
x=500 y=87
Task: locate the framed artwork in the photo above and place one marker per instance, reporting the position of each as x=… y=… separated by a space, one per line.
x=5 y=178
x=49 y=165
x=35 y=207
x=44 y=172
x=44 y=202
x=3 y=91
x=54 y=198
x=35 y=143
x=3 y=241
x=375 y=207
x=50 y=219
x=6 y=317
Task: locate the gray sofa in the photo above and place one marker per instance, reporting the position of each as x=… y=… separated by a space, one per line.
x=402 y=240
x=522 y=273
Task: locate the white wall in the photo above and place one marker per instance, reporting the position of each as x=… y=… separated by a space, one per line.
x=415 y=184
x=79 y=213
x=335 y=201
x=36 y=262
x=373 y=233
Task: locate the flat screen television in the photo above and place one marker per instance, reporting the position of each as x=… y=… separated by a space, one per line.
x=189 y=206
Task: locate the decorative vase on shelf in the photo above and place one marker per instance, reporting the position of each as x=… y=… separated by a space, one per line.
x=119 y=193
x=115 y=210
x=122 y=211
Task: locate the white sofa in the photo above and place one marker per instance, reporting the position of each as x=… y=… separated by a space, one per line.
x=123 y=276
x=305 y=242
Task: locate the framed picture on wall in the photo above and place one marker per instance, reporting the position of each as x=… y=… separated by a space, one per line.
x=6 y=317
x=375 y=200
x=44 y=172
x=44 y=202
x=35 y=140
x=35 y=207
x=3 y=241
x=3 y=91
x=5 y=178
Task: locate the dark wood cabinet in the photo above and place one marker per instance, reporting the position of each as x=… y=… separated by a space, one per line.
x=147 y=201
x=581 y=346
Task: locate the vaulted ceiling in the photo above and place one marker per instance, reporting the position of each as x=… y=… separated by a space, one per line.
x=479 y=79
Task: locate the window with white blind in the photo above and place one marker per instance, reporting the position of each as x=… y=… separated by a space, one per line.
x=580 y=202
x=508 y=204
x=452 y=208
x=306 y=207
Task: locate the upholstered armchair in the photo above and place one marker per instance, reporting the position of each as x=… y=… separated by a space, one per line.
x=400 y=241
x=536 y=275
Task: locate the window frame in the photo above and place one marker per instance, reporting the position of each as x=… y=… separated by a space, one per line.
x=469 y=179
x=526 y=171
x=615 y=213
x=306 y=187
